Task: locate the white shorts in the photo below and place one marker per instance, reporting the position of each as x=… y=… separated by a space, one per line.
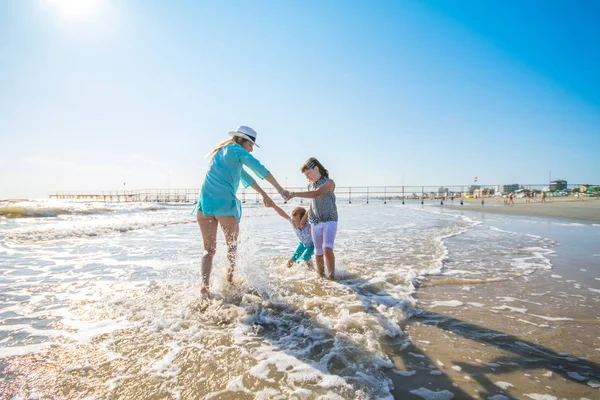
x=323 y=235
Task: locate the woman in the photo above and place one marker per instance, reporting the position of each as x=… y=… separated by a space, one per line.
x=218 y=203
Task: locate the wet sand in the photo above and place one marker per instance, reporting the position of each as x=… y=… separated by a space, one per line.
x=581 y=210
x=475 y=353
x=534 y=337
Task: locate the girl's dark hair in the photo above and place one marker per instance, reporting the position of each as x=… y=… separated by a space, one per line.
x=313 y=162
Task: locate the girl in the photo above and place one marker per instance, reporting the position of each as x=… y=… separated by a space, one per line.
x=217 y=203
x=322 y=213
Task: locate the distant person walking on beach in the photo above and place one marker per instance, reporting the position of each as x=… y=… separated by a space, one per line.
x=217 y=203
x=511 y=198
x=299 y=220
x=543 y=196
x=322 y=213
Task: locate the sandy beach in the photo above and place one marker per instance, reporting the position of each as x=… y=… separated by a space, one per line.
x=459 y=346
x=581 y=210
x=477 y=354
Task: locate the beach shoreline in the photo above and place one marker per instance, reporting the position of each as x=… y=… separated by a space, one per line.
x=474 y=353
x=586 y=210
x=535 y=335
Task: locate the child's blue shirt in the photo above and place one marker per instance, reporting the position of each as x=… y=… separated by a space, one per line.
x=304 y=235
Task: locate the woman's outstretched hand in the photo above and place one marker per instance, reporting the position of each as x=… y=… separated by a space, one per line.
x=286 y=194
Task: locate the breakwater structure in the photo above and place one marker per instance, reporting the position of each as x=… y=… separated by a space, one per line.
x=350 y=194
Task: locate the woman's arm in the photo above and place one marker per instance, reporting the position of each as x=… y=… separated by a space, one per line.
x=327 y=187
x=266 y=199
x=283 y=192
x=263 y=173
x=271 y=179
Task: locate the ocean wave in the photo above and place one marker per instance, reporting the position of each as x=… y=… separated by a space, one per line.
x=55 y=211
x=42 y=234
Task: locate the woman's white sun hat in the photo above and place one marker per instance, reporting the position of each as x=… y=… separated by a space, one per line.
x=245 y=132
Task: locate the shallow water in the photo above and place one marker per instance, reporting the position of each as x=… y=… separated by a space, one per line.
x=103 y=301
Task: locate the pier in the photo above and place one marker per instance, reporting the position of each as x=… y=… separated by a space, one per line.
x=145 y=195
x=103 y=197
x=362 y=194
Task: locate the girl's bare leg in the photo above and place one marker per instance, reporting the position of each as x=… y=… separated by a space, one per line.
x=208 y=228
x=231 y=230
x=320 y=265
x=330 y=260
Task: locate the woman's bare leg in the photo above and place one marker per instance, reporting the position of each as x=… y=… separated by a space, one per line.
x=208 y=228
x=231 y=229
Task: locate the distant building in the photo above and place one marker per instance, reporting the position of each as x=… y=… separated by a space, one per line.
x=505 y=189
x=558 y=184
x=471 y=189
x=443 y=192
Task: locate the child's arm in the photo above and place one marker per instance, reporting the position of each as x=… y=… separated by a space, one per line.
x=280 y=211
x=327 y=187
x=303 y=220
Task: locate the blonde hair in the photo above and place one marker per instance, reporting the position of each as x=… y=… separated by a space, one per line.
x=235 y=139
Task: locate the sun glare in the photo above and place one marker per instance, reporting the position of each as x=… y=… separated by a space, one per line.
x=73 y=10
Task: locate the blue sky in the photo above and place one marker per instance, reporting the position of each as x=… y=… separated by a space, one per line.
x=100 y=92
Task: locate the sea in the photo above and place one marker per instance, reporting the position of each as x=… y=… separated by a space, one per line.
x=101 y=300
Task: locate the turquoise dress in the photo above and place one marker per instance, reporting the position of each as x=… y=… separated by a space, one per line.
x=217 y=196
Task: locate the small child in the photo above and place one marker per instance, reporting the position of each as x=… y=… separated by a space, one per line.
x=298 y=218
